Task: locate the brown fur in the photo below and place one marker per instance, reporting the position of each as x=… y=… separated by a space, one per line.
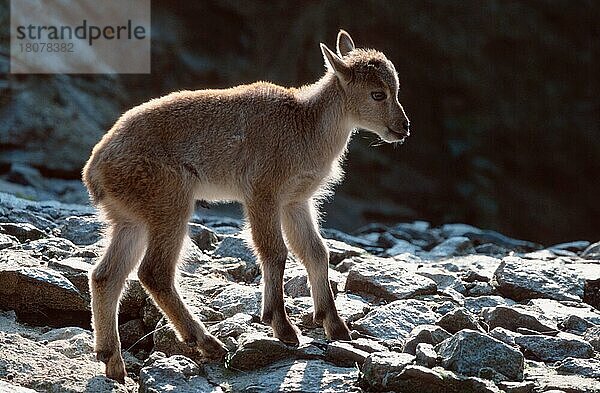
x=273 y=149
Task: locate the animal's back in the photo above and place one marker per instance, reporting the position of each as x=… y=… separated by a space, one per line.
x=214 y=135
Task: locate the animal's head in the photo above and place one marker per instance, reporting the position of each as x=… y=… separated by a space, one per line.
x=370 y=82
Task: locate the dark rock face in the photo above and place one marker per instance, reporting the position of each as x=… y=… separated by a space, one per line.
x=392 y=305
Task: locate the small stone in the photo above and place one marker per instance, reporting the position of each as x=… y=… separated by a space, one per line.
x=468 y=351
x=575 y=246
x=256 y=350
x=381 y=368
x=175 y=373
x=515 y=317
x=592 y=335
x=453 y=246
x=232 y=327
x=396 y=320
x=22 y=231
x=504 y=335
x=554 y=349
x=387 y=279
x=428 y=334
x=345 y=354
x=401 y=247
x=7 y=241
x=521 y=279
x=237 y=298
x=235 y=247
x=338 y=251
x=84 y=230
x=132 y=331
x=202 y=236
x=426 y=355
x=517 y=387
x=592 y=251
x=586 y=367
x=457 y=320
x=476 y=304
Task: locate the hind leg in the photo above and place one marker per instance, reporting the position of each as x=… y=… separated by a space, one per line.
x=107 y=281
x=302 y=234
x=157 y=273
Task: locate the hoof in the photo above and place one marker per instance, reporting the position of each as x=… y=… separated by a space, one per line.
x=286 y=333
x=337 y=331
x=115 y=369
x=212 y=348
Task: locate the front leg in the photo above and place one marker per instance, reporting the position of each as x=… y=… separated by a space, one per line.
x=272 y=253
x=301 y=231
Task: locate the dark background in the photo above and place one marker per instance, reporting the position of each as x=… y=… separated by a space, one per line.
x=502 y=97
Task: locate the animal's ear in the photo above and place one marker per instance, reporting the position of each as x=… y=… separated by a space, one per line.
x=335 y=64
x=344 y=43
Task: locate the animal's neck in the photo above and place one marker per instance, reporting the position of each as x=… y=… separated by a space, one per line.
x=325 y=100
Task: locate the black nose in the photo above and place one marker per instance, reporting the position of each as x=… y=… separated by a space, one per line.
x=406 y=126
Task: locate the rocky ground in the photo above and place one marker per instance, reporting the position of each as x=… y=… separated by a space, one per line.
x=448 y=309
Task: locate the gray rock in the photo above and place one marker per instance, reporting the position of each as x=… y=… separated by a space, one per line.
x=585 y=367
x=504 y=335
x=401 y=247
x=477 y=304
x=592 y=335
x=387 y=279
x=468 y=351
x=237 y=298
x=132 y=331
x=515 y=317
x=7 y=241
x=388 y=371
x=457 y=320
x=453 y=246
x=592 y=251
x=396 y=320
x=489 y=236
x=481 y=289
x=457 y=229
x=575 y=246
x=517 y=387
x=84 y=230
x=554 y=349
x=443 y=278
x=428 y=334
x=256 y=350
x=202 y=236
x=58 y=366
x=38 y=289
x=235 y=247
x=345 y=354
x=9 y=387
x=22 y=231
x=175 y=373
x=547 y=379
x=306 y=376
x=232 y=327
x=574 y=324
x=521 y=279
x=382 y=368
x=557 y=311
x=368 y=345
x=425 y=355
x=338 y=251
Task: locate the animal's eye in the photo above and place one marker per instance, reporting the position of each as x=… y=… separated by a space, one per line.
x=378 y=95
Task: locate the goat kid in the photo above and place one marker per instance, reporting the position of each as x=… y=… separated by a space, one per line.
x=274 y=149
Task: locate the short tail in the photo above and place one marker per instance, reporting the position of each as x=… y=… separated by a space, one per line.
x=91 y=181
